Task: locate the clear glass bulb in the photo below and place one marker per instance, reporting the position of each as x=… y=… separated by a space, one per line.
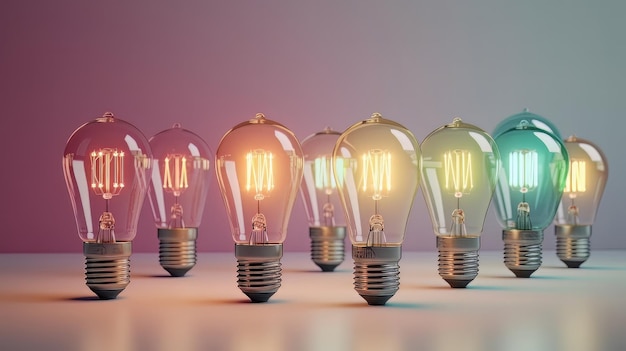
x=459 y=170
x=259 y=170
x=106 y=164
x=584 y=187
x=327 y=224
x=534 y=120
x=377 y=169
x=530 y=184
x=178 y=190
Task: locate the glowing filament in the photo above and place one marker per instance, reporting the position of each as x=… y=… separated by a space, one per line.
x=107 y=172
x=576 y=179
x=377 y=172
x=458 y=170
x=523 y=170
x=324 y=173
x=260 y=173
x=175 y=173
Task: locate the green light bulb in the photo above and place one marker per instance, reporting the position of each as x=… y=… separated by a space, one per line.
x=459 y=169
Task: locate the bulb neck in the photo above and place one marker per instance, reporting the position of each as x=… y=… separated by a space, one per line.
x=177 y=249
x=259 y=270
x=107 y=267
x=376 y=272
x=522 y=251
x=458 y=259
x=327 y=246
x=573 y=244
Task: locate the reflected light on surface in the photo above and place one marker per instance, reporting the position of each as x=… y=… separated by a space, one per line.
x=116 y=333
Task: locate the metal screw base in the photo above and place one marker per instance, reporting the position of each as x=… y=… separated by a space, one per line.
x=327 y=246
x=522 y=251
x=572 y=244
x=376 y=272
x=107 y=268
x=458 y=259
x=259 y=270
x=177 y=250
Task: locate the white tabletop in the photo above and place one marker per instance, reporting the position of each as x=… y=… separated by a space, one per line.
x=45 y=305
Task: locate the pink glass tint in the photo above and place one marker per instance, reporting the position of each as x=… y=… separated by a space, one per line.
x=259 y=169
x=180 y=178
x=106 y=164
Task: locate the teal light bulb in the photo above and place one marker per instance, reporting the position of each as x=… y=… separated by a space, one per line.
x=534 y=166
x=535 y=120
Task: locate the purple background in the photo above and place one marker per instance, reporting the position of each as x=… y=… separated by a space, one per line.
x=307 y=64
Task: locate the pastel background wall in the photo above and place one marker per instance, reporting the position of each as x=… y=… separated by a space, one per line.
x=307 y=64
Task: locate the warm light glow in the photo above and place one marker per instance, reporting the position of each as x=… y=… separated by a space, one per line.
x=377 y=172
x=576 y=181
x=523 y=170
x=458 y=170
x=323 y=172
x=107 y=172
x=260 y=173
x=175 y=173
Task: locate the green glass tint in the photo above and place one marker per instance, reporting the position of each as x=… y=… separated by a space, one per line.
x=459 y=170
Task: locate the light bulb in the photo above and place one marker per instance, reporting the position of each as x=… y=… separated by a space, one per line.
x=531 y=179
x=376 y=164
x=178 y=189
x=327 y=228
x=534 y=120
x=459 y=169
x=588 y=173
x=106 y=164
x=259 y=170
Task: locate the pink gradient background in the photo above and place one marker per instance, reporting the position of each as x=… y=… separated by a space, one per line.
x=307 y=64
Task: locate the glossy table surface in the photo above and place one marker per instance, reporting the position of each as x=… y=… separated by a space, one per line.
x=44 y=304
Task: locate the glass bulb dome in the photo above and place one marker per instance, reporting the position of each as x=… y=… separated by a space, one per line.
x=106 y=163
x=588 y=173
x=459 y=167
x=531 y=179
x=535 y=120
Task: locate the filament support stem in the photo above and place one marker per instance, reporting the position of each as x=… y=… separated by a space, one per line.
x=177 y=249
x=458 y=259
x=376 y=272
x=522 y=251
x=573 y=244
x=327 y=246
x=107 y=267
x=259 y=270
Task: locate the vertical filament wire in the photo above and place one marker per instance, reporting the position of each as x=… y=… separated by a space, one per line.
x=107 y=172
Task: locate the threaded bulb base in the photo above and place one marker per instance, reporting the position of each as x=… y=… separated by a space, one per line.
x=107 y=268
x=573 y=245
x=259 y=270
x=376 y=272
x=522 y=251
x=327 y=246
x=458 y=259
x=177 y=250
